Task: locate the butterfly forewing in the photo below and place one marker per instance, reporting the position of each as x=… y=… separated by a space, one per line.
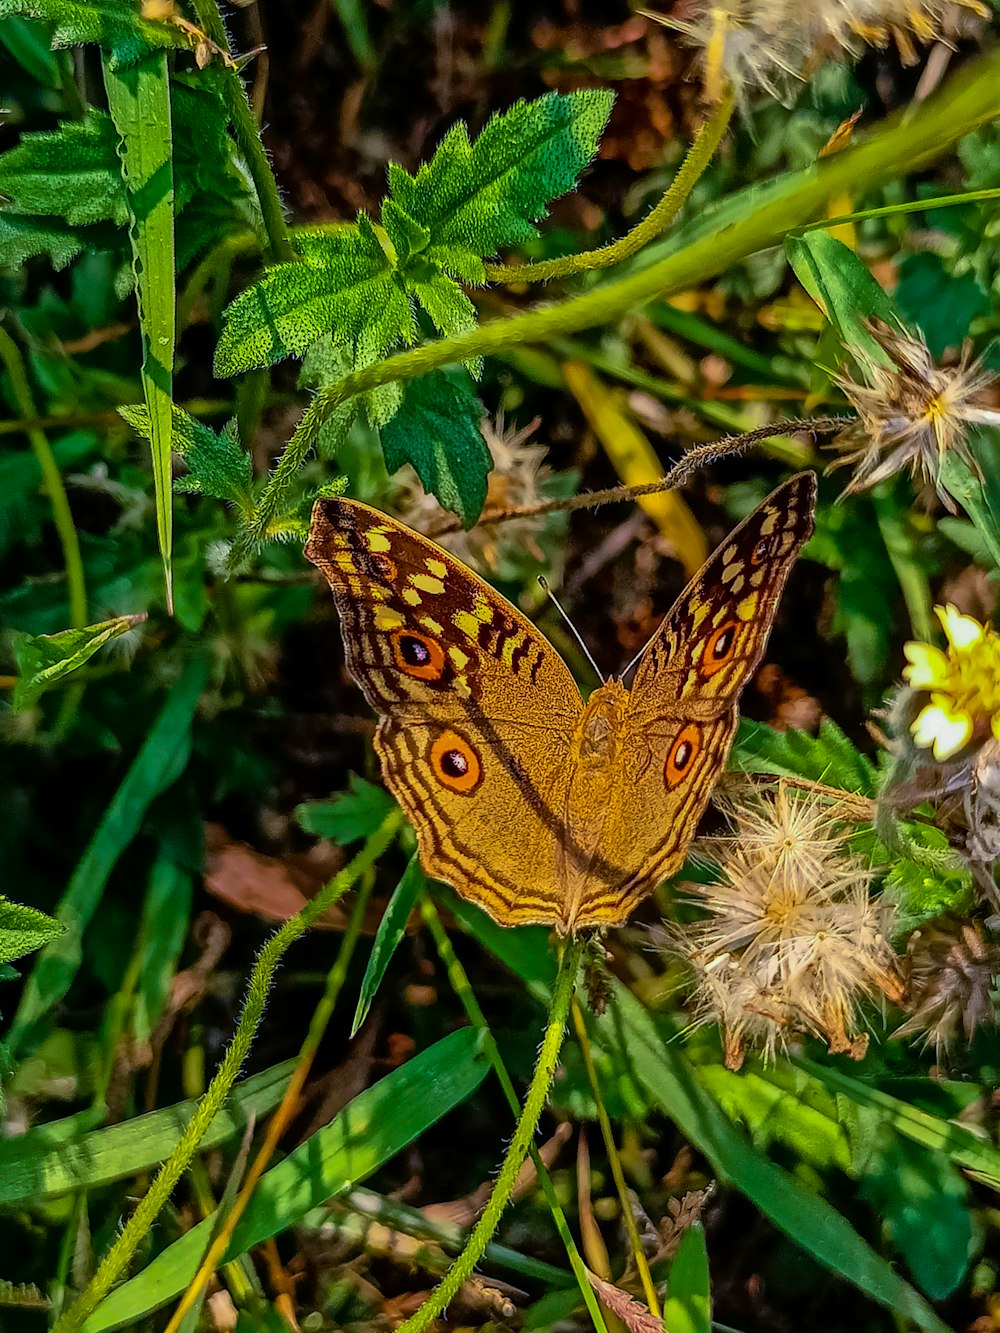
x=477 y=709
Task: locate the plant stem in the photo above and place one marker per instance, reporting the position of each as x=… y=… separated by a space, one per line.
x=52 y=480
x=611 y=1148
x=901 y=547
x=538 y=1091
x=657 y=220
x=138 y=1225
x=247 y=135
x=463 y=989
x=747 y=223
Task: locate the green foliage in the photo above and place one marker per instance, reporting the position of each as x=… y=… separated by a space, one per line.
x=940 y=304
x=70 y=173
x=921 y=893
x=218 y=465
x=115 y=25
x=354 y=814
x=827 y=757
x=45 y=659
x=23 y=930
x=389 y=936
x=688 y=1307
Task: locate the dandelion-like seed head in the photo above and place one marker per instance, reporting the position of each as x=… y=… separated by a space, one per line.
x=769 y=44
x=517 y=472
x=962 y=682
x=911 y=413
x=792 y=940
x=950 y=968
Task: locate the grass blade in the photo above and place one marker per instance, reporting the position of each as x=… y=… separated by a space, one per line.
x=390 y=931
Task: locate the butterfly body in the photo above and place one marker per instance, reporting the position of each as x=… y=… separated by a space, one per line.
x=536 y=805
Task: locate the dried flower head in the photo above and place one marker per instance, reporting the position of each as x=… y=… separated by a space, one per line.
x=910 y=413
x=950 y=966
x=517 y=473
x=768 y=44
x=793 y=940
x=963 y=682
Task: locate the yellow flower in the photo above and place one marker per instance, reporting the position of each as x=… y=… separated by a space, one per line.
x=963 y=683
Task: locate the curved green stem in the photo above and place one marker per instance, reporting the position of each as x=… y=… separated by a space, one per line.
x=248 y=139
x=657 y=220
x=52 y=480
x=968 y=100
x=538 y=1092
x=137 y=1227
x=463 y=989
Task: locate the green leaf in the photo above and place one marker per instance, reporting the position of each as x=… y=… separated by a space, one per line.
x=842 y=287
x=70 y=173
x=978 y=496
x=688 y=1307
x=28 y=43
x=921 y=894
x=943 y=305
x=114 y=24
x=826 y=757
x=370 y=1130
x=139 y=100
x=160 y=761
x=45 y=659
x=437 y=430
x=923 y=1202
x=22 y=239
x=218 y=464
x=348 y=816
x=474 y=198
x=23 y=930
x=72 y=1154
x=390 y=932
x=344 y=285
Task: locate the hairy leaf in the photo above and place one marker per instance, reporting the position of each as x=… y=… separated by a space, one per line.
x=116 y=25
x=23 y=930
x=45 y=659
x=71 y=172
x=218 y=464
x=24 y=238
x=344 y=284
x=353 y=814
x=827 y=757
x=437 y=430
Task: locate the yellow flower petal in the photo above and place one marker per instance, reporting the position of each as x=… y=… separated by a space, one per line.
x=927 y=666
x=942 y=729
x=962 y=632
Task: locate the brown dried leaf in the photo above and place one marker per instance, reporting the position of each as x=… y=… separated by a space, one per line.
x=632 y=1313
x=267 y=886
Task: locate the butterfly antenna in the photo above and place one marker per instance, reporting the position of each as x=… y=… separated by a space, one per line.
x=576 y=633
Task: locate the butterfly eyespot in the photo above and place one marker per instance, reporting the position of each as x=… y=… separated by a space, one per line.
x=683 y=753
x=455 y=763
x=418 y=655
x=719 y=648
x=760 y=551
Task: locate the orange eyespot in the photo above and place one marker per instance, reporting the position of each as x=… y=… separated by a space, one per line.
x=760 y=552
x=417 y=655
x=455 y=763
x=720 y=648
x=683 y=753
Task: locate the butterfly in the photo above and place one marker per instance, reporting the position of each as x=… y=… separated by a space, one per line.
x=530 y=802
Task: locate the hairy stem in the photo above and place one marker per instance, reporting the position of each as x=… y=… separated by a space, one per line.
x=747 y=223
x=136 y=1228
x=463 y=989
x=541 y=1081
x=657 y=220
x=247 y=136
x=52 y=480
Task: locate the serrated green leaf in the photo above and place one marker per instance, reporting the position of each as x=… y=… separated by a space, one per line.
x=325 y=363
x=116 y=25
x=920 y=893
x=139 y=101
x=450 y=309
x=371 y=1129
x=344 y=285
x=475 y=198
x=391 y=930
x=353 y=814
x=23 y=930
x=407 y=235
x=45 y=659
x=71 y=173
x=828 y=757
x=218 y=464
x=436 y=429
x=22 y=239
